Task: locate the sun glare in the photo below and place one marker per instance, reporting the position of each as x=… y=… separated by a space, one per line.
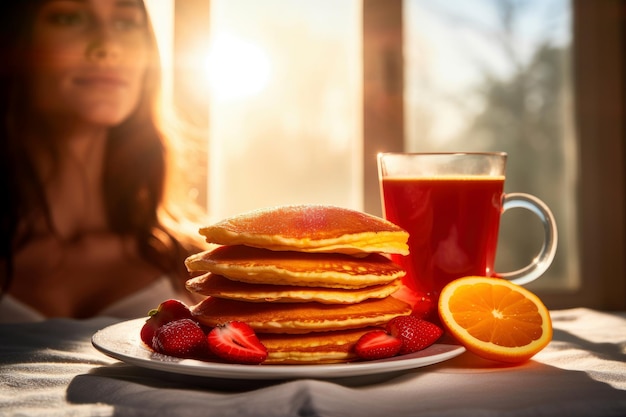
x=236 y=68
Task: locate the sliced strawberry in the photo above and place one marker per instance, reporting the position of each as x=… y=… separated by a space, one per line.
x=236 y=342
x=182 y=338
x=377 y=344
x=415 y=333
x=168 y=311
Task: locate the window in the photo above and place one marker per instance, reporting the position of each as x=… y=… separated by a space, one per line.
x=285 y=104
x=326 y=85
x=573 y=104
x=497 y=76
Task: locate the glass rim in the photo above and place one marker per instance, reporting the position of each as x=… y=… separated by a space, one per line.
x=462 y=153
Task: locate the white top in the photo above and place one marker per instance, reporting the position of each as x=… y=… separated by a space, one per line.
x=133 y=306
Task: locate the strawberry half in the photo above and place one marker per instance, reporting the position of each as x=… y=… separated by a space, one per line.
x=236 y=342
x=415 y=333
x=168 y=311
x=182 y=338
x=377 y=344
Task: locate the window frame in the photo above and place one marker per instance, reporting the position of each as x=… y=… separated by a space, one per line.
x=599 y=89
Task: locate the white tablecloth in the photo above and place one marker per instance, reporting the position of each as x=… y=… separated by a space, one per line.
x=51 y=369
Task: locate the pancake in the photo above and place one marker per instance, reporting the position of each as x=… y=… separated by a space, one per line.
x=310 y=228
x=311 y=348
x=262 y=266
x=218 y=286
x=294 y=318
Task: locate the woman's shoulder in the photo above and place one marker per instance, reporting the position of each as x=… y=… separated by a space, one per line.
x=139 y=303
x=135 y=305
x=13 y=310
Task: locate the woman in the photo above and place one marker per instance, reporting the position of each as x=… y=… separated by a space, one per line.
x=88 y=229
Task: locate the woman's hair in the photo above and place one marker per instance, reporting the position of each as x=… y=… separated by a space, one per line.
x=138 y=165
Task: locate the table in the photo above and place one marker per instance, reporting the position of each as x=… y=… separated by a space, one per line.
x=51 y=369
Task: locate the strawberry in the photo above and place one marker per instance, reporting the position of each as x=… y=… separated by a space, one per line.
x=182 y=338
x=236 y=342
x=167 y=311
x=377 y=344
x=415 y=333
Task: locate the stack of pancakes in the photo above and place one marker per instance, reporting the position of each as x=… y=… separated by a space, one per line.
x=309 y=279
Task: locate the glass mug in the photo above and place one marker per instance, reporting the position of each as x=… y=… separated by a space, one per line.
x=450 y=204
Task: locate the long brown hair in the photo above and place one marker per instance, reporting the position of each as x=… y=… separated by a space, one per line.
x=137 y=163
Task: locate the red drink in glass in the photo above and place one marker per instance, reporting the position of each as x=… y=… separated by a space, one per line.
x=453 y=227
x=451 y=204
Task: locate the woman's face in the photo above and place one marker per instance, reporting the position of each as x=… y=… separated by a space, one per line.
x=89 y=60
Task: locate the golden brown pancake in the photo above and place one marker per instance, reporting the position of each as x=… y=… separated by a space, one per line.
x=219 y=286
x=311 y=348
x=262 y=266
x=310 y=228
x=297 y=318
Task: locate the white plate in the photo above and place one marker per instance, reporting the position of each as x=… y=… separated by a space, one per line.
x=121 y=341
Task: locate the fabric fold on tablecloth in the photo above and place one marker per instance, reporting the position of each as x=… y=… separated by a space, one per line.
x=51 y=368
x=137 y=399
x=440 y=390
x=39 y=360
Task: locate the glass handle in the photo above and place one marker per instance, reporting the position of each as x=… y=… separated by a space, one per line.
x=542 y=261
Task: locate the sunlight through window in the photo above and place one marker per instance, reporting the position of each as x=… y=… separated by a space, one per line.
x=236 y=68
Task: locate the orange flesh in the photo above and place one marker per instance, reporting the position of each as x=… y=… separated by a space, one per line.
x=516 y=323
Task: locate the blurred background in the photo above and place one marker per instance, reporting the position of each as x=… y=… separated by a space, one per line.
x=295 y=98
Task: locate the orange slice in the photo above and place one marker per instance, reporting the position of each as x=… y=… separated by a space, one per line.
x=495 y=319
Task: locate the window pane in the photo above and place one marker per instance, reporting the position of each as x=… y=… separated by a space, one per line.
x=285 y=116
x=496 y=76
